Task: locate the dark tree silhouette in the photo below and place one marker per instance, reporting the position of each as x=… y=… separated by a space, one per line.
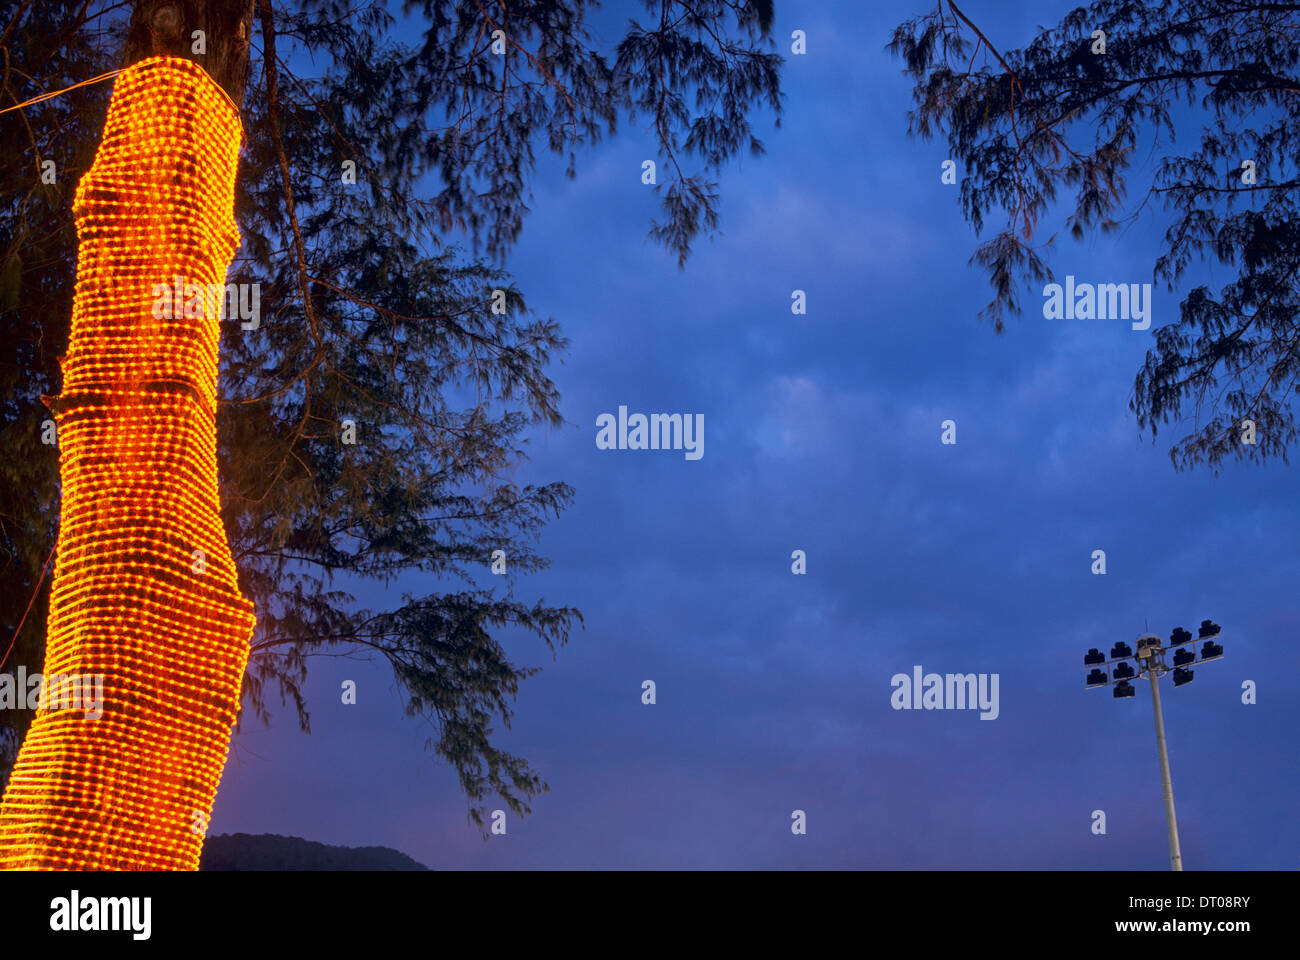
x=370 y=312
x=1058 y=121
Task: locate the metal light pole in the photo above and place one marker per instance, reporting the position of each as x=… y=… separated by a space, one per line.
x=1162 y=748
x=1150 y=660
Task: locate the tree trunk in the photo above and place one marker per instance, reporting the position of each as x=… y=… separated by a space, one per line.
x=166 y=28
x=144 y=599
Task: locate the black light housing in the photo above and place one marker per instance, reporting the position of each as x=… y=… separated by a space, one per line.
x=1123 y=671
x=1097 y=678
x=1211 y=651
x=1093 y=656
x=1120 y=651
x=1209 y=630
x=1179 y=636
x=1124 y=689
x=1183 y=657
x=1182 y=676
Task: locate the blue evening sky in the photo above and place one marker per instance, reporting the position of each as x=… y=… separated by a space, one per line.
x=822 y=433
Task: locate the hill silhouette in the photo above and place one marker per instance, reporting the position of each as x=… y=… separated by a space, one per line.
x=270 y=851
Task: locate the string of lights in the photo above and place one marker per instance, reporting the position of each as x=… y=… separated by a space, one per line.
x=144 y=593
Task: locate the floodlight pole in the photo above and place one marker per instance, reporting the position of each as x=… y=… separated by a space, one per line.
x=1166 y=781
x=1150 y=658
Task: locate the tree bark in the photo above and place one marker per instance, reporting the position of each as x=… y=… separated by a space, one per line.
x=145 y=602
x=166 y=28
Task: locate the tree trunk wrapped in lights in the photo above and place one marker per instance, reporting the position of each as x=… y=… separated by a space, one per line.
x=144 y=592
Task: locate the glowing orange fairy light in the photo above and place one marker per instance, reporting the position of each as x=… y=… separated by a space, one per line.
x=144 y=591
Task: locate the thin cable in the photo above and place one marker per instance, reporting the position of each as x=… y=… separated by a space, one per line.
x=39 y=581
x=48 y=96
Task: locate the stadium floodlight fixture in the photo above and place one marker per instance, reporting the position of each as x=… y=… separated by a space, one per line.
x=1149 y=662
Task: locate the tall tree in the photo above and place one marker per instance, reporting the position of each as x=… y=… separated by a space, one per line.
x=369 y=419
x=1072 y=112
x=148 y=632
